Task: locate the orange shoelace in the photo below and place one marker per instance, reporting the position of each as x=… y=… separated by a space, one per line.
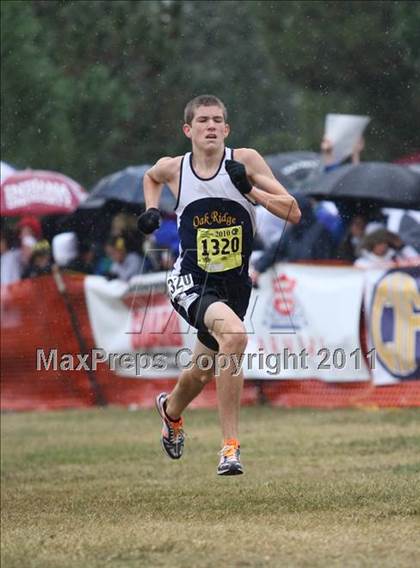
x=177 y=427
x=230 y=447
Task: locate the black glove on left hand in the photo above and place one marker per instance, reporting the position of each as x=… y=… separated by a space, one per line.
x=237 y=174
x=149 y=221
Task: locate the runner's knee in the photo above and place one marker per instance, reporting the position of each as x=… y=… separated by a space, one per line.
x=233 y=341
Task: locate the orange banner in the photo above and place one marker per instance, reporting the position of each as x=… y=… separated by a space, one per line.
x=35 y=316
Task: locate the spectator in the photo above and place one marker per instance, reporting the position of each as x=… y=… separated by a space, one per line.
x=122 y=224
x=327 y=154
x=167 y=234
x=405 y=223
x=64 y=248
x=72 y=255
x=381 y=246
x=269 y=230
x=11 y=266
x=328 y=214
x=30 y=232
x=349 y=247
x=30 y=226
x=85 y=260
x=125 y=225
x=103 y=261
x=40 y=260
x=335 y=218
x=269 y=227
x=162 y=248
x=308 y=240
x=125 y=264
x=27 y=243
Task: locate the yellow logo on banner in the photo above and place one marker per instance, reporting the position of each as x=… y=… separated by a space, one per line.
x=395 y=322
x=219 y=249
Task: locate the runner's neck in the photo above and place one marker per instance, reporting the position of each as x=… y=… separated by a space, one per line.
x=205 y=165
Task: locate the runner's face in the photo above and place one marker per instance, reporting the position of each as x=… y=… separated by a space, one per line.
x=208 y=128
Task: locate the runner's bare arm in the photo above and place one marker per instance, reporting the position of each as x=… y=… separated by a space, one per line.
x=267 y=191
x=155 y=178
x=283 y=206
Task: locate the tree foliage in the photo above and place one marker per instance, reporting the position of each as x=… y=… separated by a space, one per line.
x=357 y=57
x=90 y=87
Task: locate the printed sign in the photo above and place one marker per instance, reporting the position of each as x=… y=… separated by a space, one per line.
x=302 y=322
x=392 y=300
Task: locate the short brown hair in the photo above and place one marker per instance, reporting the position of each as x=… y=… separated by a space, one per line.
x=377 y=237
x=202 y=100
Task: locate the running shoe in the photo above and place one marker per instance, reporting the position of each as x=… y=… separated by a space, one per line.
x=172 y=431
x=230 y=461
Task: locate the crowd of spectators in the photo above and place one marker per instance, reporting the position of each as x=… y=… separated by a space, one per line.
x=351 y=234
x=124 y=253
x=325 y=232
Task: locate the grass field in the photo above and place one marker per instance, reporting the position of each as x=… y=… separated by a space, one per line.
x=93 y=489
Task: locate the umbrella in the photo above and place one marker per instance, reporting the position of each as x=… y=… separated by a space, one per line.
x=39 y=192
x=293 y=168
x=387 y=185
x=126 y=186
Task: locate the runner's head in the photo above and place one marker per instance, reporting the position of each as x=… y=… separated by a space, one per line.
x=205 y=101
x=205 y=122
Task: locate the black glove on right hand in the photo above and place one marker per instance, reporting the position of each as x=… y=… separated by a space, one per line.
x=149 y=221
x=237 y=173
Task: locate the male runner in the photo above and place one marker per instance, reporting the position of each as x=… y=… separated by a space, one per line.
x=216 y=189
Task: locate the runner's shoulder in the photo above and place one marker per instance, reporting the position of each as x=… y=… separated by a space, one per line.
x=166 y=168
x=251 y=158
x=246 y=155
x=169 y=163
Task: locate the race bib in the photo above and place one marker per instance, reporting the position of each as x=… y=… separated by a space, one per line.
x=179 y=284
x=219 y=249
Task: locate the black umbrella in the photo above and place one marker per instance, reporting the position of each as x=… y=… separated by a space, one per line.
x=293 y=168
x=387 y=185
x=125 y=186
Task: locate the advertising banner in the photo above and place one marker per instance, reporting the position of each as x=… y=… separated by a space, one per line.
x=309 y=316
x=392 y=303
x=302 y=322
x=135 y=326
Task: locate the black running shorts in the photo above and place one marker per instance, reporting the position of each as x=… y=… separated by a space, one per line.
x=191 y=297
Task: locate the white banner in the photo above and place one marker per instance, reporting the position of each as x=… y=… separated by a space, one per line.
x=138 y=319
x=392 y=306
x=310 y=316
x=302 y=322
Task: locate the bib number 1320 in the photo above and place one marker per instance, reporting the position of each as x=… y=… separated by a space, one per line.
x=222 y=246
x=219 y=249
